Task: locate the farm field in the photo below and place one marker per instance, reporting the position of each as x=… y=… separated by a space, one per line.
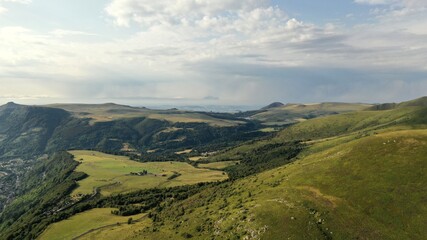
x=218 y=165
x=197 y=158
x=184 y=151
x=83 y=222
x=112 y=174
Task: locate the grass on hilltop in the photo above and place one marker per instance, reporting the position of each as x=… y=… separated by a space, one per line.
x=196 y=158
x=218 y=165
x=112 y=174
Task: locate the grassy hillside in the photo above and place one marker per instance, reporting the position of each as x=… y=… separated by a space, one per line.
x=420 y=102
x=369 y=188
x=218 y=165
x=116 y=174
x=142 y=134
x=347 y=125
x=26 y=130
x=292 y=113
x=362 y=122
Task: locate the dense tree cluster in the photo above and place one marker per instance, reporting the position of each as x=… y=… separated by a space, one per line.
x=264 y=158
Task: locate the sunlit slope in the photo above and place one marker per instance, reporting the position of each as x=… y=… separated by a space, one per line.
x=85 y=222
x=291 y=113
x=348 y=126
x=118 y=174
x=369 y=188
x=363 y=121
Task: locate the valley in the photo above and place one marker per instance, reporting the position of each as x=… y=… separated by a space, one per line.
x=340 y=176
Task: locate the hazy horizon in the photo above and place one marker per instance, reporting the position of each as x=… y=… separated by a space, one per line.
x=183 y=104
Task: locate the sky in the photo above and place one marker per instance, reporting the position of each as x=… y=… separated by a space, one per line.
x=212 y=52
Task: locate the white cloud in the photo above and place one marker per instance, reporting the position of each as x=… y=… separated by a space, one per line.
x=3 y=9
x=18 y=1
x=64 y=33
x=376 y=2
x=405 y=3
x=149 y=13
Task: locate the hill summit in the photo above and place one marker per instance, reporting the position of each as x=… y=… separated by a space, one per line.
x=273 y=105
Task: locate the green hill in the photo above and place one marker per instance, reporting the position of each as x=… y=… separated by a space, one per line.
x=110 y=112
x=369 y=188
x=26 y=130
x=420 y=102
x=276 y=114
x=29 y=131
x=273 y=105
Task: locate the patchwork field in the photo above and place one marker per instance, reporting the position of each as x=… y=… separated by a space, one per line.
x=197 y=158
x=118 y=174
x=86 y=221
x=218 y=165
x=184 y=151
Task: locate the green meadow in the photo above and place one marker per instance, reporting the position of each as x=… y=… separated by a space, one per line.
x=112 y=174
x=218 y=165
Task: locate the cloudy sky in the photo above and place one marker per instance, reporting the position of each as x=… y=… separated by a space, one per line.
x=212 y=51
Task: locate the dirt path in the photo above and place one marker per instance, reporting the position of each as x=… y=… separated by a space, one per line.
x=107 y=226
x=329 y=200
